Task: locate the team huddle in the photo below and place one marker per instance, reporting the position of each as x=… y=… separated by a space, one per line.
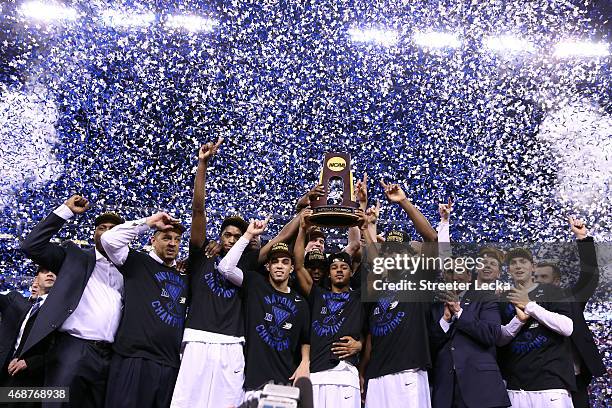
x=120 y=327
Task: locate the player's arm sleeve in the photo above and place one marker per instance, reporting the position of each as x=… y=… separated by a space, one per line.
x=228 y=265
x=444 y=248
x=556 y=322
x=509 y=331
x=116 y=240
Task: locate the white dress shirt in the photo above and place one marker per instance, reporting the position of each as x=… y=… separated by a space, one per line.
x=23 y=324
x=446 y=325
x=98 y=313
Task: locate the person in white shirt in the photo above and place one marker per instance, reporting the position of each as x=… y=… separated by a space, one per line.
x=83 y=311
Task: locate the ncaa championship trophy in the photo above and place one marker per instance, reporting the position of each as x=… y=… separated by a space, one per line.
x=336 y=167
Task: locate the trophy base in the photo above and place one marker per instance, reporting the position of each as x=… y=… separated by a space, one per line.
x=334 y=216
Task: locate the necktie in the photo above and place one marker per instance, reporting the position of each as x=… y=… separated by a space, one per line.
x=35 y=307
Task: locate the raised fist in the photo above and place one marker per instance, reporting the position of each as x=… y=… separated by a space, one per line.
x=208 y=150
x=77 y=204
x=578 y=227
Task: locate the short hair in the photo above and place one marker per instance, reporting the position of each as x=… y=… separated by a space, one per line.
x=340 y=257
x=108 y=217
x=519 y=253
x=555 y=268
x=494 y=253
x=234 y=221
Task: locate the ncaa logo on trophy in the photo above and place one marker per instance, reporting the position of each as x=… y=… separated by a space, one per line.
x=335 y=211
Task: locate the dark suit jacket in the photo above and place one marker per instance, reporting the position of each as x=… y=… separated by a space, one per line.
x=582 y=338
x=73 y=267
x=14 y=308
x=469 y=349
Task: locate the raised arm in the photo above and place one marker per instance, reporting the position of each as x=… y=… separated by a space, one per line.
x=395 y=194
x=444 y=226
x=313 y=194
x=556 y=322
x=354 y=241
x=443 y=230
x=228 y=266
x=372 y=216
x=36 y=244
x=285 y=235
x=369 y=236
x=116 y=241
x=303 y=277
x=198 y=207
x=588 y=279
x=354 y=233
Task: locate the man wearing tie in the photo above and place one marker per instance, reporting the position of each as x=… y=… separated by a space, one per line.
x=21 y=369
x=464 y=331
x=13 y=309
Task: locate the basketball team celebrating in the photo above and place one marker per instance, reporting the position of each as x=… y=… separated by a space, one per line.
x=120 y=327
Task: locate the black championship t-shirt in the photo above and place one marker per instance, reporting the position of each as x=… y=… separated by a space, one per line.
x=154 y=310
x=399 y=336
x=334 y=315
x=277 y=326
x=215 y=304
x=538 y=358
x=399 y=330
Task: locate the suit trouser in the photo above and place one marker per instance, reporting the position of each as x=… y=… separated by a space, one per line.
x=82 y=366
x=27 y=379
x=139 y=383
x=458 y=401
x=580 y=397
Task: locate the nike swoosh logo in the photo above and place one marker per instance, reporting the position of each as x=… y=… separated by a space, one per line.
x=347 y=397
x=237 y=371
x=554 y=399
x=409 y=384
